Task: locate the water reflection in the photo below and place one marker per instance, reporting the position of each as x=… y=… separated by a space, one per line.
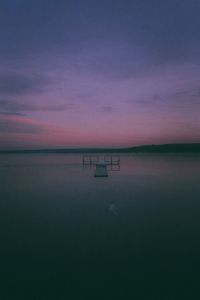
x=113 y=209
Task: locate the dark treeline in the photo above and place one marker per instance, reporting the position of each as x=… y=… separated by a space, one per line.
x=165 y=148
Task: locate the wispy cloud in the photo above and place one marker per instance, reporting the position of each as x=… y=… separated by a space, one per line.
x=17 y=124
x=5 y=113
x=107 y=108
x=17 y=84
x=12 y=107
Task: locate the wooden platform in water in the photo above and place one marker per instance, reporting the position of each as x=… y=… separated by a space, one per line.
x=101 y=170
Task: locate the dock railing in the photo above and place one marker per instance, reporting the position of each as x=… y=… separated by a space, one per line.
x=110 y=160
x=90 y=159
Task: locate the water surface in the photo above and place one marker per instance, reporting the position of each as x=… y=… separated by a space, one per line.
x=61 y=239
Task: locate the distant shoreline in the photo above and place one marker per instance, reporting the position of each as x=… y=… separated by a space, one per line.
x=163 y=148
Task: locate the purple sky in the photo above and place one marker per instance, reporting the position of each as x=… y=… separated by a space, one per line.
x=99 y=73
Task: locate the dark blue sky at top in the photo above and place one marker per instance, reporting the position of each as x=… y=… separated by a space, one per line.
x=170 y=28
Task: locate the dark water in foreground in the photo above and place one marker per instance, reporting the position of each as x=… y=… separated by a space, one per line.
x=61 y=240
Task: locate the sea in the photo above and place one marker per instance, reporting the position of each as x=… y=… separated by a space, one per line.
x=68 y=235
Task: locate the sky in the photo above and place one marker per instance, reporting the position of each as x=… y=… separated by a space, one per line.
x=109 y=73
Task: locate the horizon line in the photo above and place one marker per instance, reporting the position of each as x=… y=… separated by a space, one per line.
x=98 y=148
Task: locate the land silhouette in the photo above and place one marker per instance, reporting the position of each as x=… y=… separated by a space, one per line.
x=163 y=148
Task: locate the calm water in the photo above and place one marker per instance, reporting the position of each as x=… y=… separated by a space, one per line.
x=67 y=235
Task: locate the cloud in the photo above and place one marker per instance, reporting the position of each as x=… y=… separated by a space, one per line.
x=106 y=108
x=17 y=84
x=13 y=107
x=5 y=113
x=17 y=124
